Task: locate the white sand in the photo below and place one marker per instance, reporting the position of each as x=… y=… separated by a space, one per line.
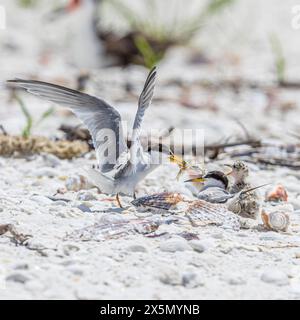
x=234 y=264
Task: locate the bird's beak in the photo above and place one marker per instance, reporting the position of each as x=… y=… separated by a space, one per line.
x=197 y=179
x=229 y=166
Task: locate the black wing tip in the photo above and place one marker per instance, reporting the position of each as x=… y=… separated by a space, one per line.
x=153 y=69
x=16 y=80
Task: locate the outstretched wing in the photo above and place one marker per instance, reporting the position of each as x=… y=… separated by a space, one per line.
x=102 y=120
x=144 y=102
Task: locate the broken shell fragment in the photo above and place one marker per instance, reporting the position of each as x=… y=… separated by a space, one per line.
x=276 y=220
x=277 y=194
x=211 y=213
x=161 y=201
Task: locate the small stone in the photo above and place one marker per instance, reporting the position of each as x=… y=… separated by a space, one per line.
x=170 y=276
x=41 y=200
x=137 y=248
x=275 y=276
x=21 y=266
x=68 y=249
x=174 y=245
x=235 y=280
x=17 y=277
x=85 y=196
x=297 y=255
x=218 y=235
x=45 y=172
x=75 y=270
x=271 y=236
x=84 y=208
x=51 y=160
x=191 y=280
x=59 y=203
x=202 y=245
x=111 y=218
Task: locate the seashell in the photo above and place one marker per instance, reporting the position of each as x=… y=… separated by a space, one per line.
x=161 y=201
x=212 y=213
x=116 y=228
x=277 y=194
x=276 y=220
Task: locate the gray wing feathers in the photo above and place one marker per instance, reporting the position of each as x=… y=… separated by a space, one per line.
x=99 y=117
x=145 y=98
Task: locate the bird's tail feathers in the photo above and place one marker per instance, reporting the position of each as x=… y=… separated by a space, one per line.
x=100 y=180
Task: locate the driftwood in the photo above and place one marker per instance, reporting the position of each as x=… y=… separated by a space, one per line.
x=63 y=149
x=17 y=237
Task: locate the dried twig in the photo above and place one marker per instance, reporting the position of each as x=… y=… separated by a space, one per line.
x=18 y=238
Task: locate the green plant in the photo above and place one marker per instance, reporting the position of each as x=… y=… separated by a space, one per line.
x=180 y=29
x=150 y=57
x=280 y=63
x=26 y=131
x=153 y=36
x=27 y=3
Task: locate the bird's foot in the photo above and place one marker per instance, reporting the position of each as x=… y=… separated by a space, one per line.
x=118 y=201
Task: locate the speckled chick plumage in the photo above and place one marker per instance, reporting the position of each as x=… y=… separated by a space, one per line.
x=246 y=204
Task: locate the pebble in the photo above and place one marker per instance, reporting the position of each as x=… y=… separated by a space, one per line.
x=84 y=208
x=51 y=160
x=137 y=248
x=68 y=249
x=17 y=277
x=85 y=196
x=75 y=270
x=41 y=200
x=110 y=218
x=235 y=279
x=45 y=172
x=59 y=203
x=21 y=266
x=202 y=245
x=270 y=236
x=190 y=279
x=170 y=276
x=218 y=235
x=275 y=276
x=174 y=245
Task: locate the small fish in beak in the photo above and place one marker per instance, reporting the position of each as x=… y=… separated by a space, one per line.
x=182 y=164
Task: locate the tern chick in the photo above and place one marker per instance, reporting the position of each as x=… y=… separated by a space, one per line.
x=239 y=172
x=119 y=168
x=247 y=202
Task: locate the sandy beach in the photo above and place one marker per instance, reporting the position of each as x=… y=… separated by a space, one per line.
x=66 y=254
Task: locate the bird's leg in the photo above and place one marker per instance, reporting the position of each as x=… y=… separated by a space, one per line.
x=118 y=201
